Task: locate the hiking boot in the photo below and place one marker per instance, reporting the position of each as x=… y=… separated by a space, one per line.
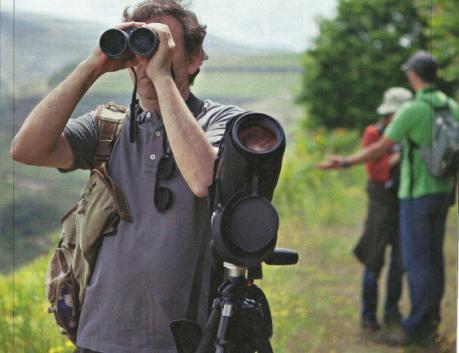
x=370 y=325
x=399 y=338
x=392 y=320
x=403 y=338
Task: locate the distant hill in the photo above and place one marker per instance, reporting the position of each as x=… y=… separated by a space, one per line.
x=40 y=45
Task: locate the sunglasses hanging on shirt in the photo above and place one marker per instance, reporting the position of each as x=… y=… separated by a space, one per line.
x=166 y=167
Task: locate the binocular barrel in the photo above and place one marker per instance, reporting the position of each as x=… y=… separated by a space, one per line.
x=117 y=43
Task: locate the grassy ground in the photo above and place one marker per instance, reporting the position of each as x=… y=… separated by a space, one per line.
x=316 y=304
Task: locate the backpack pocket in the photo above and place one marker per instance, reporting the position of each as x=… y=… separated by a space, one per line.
x=101 y=206
x=63 y=294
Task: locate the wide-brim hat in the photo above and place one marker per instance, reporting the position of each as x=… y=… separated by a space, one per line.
x=393 y=99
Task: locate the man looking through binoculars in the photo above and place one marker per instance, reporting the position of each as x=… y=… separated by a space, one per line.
x=156 y=269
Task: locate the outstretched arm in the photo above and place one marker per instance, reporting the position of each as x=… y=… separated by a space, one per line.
x=372 y=152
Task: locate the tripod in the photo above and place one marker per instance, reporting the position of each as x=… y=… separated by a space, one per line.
x=240 y=319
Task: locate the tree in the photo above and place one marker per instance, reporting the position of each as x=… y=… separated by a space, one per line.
x=356 y=57
x=442 y=31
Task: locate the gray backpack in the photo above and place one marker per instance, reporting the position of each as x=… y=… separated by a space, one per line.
x=442 y=157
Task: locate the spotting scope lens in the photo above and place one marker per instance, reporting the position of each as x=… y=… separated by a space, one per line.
x=143 y=42
x=257 y=135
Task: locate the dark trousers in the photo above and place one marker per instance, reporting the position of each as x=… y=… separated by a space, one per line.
x=393 y=289
x=422 y=228
x=381 y=230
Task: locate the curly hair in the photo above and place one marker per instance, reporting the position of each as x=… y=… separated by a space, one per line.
x=193 y=31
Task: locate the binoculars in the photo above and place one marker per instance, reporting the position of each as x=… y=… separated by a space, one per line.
x=117 y=43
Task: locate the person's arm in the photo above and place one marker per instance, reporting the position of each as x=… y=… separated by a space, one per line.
x=40 y=140
x=394 y=159
x=192 y=151
x=372 y=152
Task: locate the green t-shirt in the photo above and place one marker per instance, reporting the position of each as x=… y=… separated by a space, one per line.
x=414 y=122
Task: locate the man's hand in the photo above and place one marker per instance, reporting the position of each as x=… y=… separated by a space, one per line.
x=159 y=65
x=102 y=63
x=332 y=162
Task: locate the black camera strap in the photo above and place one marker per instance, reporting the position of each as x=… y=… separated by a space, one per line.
x=132 y=111
x=214 y=186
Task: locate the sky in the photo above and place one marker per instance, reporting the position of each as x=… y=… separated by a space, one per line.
x=288 y=24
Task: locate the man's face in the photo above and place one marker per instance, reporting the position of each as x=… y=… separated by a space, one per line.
x=412 y=77
x=182 y=64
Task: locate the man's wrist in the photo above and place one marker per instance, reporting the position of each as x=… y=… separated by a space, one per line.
x=90 y=68
x=162 y=78
x=345 y=163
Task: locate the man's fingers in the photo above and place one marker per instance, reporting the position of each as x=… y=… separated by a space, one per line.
x=125 y=25
x=164 y=33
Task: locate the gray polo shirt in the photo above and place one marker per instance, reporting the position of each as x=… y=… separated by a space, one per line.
x=155 y=270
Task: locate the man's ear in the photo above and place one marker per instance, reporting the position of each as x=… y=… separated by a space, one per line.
x=194 y=62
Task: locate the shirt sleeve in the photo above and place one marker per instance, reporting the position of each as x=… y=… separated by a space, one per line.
x=454 y=108
x=215 y=119
x=402 y=124
x=81 y=134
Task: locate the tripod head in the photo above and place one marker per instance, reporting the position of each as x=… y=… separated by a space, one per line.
x=240 y=320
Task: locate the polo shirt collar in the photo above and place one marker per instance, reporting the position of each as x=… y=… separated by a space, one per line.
x=193 y=103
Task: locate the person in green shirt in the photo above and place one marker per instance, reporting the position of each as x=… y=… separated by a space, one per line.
x=424 y=199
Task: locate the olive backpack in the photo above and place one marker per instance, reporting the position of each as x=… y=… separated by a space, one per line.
x=102 y=205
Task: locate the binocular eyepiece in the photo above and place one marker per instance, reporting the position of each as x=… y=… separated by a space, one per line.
x=117 y=43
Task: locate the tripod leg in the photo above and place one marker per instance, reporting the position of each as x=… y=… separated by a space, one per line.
x=206 y=345
x=223 y=326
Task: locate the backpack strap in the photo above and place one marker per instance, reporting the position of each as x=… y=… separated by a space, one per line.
x=110 y=118
x=411 y=147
